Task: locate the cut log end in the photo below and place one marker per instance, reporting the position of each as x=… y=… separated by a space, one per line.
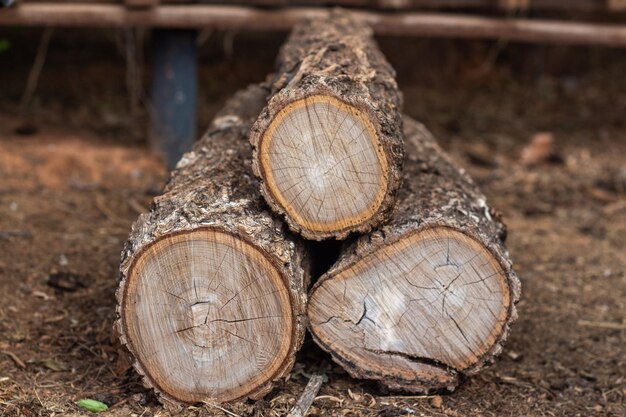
x=207 y=316
x=322 y=162
x=414 y=313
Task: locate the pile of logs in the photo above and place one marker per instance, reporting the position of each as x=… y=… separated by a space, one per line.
x=216 y=287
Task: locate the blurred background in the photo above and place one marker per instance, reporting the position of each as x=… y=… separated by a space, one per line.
x=537 y=114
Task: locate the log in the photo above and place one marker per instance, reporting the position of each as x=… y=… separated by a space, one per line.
x=404 y=5
x=212 y=292
x=431 y=25
x=328 y=146
x=430 y=295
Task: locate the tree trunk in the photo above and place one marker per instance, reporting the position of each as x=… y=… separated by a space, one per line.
x=328 y=146
x=212 y=292
x=431 y=294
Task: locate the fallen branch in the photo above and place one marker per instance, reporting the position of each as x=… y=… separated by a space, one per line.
x=308 y=396
x=16 y=359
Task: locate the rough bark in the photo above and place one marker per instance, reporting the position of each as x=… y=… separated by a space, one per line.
x=195 y=268
x=328 y=146
x=428 y=296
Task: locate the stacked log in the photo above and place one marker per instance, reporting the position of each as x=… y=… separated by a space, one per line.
x=428 y=296
x=328 y=145
x=213 y=291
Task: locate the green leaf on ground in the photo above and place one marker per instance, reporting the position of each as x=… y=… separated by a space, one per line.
x=92 y=405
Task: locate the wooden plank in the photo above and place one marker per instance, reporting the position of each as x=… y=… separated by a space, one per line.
x=239 y=17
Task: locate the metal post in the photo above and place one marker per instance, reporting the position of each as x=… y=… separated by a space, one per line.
x=174 y=92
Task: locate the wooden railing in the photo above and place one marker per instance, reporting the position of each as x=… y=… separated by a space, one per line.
x=151 y=13
x=568 y=5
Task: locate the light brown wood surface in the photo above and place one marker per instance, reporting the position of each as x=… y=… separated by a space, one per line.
x=212 y=291
x=324 y=164
x=200 y=302
x=430 y=295
x=328 y=146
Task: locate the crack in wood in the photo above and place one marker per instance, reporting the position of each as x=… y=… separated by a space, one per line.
x=415 y=358
x=364 y=315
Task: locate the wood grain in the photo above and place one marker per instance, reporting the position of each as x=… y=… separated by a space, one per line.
x=324 y=178
x=212 y=292
x=328 y=146
x=430 y=295
x=201 y=301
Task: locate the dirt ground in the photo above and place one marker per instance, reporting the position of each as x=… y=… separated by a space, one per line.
x=77 y=174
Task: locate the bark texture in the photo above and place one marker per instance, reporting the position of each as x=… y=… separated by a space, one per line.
x=213 y=190
x=331 y=77
x=408 y=275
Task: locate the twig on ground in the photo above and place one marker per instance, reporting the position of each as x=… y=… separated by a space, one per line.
x=230 y=413
x=602 y=324
x=307 y=397
x=330 y=398
x=15 y=359
x=405 y=397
